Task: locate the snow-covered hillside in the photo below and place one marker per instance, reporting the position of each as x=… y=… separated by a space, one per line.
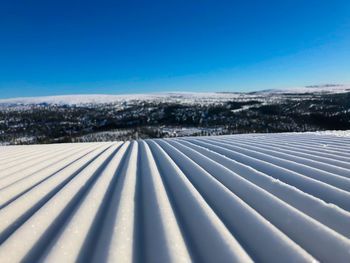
x=311 y=89
x=239 y=198
x=183 y=97
x=103 y=99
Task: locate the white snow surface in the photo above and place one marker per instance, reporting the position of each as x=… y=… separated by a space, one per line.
x=182 y=97
x=335 y=133
x=237 y=198
x=109 y=99
x=312 y=89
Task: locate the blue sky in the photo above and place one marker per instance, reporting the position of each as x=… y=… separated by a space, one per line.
x=73 y=47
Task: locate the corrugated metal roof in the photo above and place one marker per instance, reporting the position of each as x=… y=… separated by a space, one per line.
x=241 y=198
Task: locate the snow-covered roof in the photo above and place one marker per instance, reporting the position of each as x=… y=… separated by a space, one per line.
x=239 y=198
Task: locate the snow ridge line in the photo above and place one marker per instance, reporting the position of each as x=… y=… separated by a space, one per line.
x=325 y=172
x=238 y=198
x=332 y=160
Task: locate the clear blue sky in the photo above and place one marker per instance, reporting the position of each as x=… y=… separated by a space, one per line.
x=73 y=47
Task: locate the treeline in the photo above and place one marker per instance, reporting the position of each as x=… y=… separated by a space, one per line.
x=53 y=123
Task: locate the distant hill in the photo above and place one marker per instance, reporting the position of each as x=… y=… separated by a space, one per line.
x=87 y=118
x=184 y=97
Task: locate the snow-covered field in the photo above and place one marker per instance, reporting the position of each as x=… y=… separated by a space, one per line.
x=101 y=98
x=178 y=97
x=240 y=198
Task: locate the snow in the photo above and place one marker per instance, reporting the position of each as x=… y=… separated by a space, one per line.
x=335 y=133
x=106 y=99
x=237 y=198
x=311 y=89
x=179 y=97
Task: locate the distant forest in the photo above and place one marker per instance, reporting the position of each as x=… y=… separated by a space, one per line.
x=45 y=123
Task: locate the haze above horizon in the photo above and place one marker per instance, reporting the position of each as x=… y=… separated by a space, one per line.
x=118 y=47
